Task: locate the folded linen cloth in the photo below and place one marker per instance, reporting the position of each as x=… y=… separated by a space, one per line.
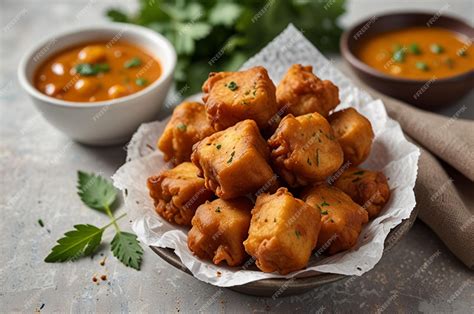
x=452 y=140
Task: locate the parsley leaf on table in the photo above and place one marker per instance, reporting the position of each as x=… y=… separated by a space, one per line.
x=95 y=191
x=82 y=241
x=126 y=248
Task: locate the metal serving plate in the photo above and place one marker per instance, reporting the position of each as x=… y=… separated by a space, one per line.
x=268 y=287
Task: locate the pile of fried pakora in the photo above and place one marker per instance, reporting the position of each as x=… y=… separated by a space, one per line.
x=268 y=172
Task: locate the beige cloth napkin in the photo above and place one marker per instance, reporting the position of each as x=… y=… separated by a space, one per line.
x=452 y=140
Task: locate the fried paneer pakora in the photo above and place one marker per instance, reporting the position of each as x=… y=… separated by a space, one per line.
x=341 y=218
x=367 y=188
x=304 y=149
x=219 y=230
x=231 y=97
x=234 y=162
x=187 y=126
x=283 y=232
x=302 y=92
x=178 y=192
x=354 y=133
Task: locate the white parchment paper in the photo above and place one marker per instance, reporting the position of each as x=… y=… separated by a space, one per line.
x=391 y=153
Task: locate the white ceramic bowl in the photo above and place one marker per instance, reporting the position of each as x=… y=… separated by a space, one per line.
x=105 y=122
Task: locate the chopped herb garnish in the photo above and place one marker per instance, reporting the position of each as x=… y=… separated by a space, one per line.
x=435 y=48
x=309 y=161
x=182 y=127
x=396 y=47
x=331 y=220
x=132 y=63
x=358 y=173
x=247 y=92
x=324 y=212
x=414 y=49
x=218 y=146
x=40 y=222
x=449 y=62
x=218 y=209
x=422 y=66
x=324 y=204
x=232 y=86
x=88 y=69
x=231 y=157
x=141 y=81
x=399 y=55
x=298 y=234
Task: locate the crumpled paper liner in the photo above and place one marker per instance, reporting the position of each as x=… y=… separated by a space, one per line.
x=391 y=153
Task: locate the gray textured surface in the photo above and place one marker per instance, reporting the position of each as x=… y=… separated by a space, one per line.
x=38 y=178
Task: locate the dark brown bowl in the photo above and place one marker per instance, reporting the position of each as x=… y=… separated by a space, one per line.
x=421 y=93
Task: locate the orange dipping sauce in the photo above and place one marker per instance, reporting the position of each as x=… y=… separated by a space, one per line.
x=97 y=72
x=418 y=53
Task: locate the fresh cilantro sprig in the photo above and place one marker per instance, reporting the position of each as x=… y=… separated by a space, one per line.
x=211 y=36
x=99 y=194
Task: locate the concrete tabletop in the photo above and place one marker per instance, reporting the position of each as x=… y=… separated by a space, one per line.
x=38 y=181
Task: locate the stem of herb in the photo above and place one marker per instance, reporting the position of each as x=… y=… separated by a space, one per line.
x=114 y=220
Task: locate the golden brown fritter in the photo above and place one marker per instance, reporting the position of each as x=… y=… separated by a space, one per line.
x=304 y=149
x=302 y=92
x=367 y=188
x=188 y=125
x=231 y=97
x=341 y=218
x=283 y=232
x=354 y=133
x=178 y=192
x=219 y=229
x=234 y=162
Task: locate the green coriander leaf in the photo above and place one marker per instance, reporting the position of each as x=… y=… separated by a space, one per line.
x=449 y=62
x=232 y=86
x=182 y=127
x=437 y=49
x=218 y=146
x=218 y=209
x=422 y=66
x=141 y=81
x=298 y=233
x=396 y=48
x=126 y=248
x=414 y=49
x=324 y=204
x=399 y=55
x=224 y=13
x=231 y=157
x=132 y=63
x=324 y=212
x=358 y=173
x=82 y=241
x=40 y=222
x=88 y=69
x=95 y=191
